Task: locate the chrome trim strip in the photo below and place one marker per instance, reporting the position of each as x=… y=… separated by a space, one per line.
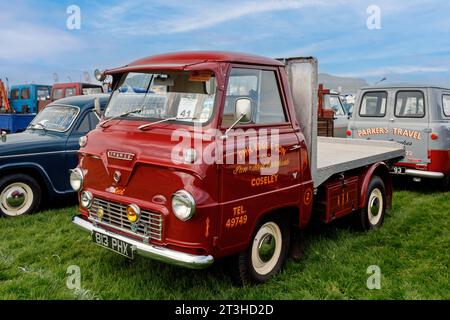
x=151 y=251
x=424 y=174
x=37 y=153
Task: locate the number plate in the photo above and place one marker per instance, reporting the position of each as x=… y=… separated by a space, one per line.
x=113 y=244
x=398 y=170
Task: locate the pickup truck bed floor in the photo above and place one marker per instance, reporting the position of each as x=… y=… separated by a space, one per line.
x=336 y=155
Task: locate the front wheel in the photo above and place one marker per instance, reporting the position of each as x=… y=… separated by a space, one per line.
x=19 y=194
x=266 y=253
x=372 y=215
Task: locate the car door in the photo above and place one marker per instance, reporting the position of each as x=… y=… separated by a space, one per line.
x=255 y=164
x=371 y=116
x=85 y=123
x=410 y=124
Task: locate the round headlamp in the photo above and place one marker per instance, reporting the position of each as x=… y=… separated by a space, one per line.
x=86 y=199
x=183 y=205
x=76 y=179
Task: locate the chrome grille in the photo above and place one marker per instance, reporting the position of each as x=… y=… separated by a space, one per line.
x=115 y=215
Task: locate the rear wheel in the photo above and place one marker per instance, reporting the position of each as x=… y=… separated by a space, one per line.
x=372 y=215
x=266 y=253
x=19 y=194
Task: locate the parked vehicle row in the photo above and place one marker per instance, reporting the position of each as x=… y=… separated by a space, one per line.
x=145 y=188
x=35 y=163
x=25 y=101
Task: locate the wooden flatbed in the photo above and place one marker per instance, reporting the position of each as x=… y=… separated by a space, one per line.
x=336 y=155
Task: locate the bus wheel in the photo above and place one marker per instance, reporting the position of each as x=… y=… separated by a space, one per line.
x=266 y=253
x=372 y=215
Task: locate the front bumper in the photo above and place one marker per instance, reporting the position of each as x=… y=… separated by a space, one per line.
x=151 y=251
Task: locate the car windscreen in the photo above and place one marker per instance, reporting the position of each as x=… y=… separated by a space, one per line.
x=55 y=118
x=186 y=96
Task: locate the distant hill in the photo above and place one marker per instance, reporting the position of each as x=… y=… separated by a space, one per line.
x=343 y=85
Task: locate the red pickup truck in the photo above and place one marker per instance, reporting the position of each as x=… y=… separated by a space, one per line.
x=205 y=155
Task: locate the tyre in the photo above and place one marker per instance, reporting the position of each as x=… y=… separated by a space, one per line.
x=372 y=215
x=266 y=254
x=19 y=194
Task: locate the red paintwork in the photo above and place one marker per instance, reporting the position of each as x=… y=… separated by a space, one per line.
x=439 y=162
x=150 y=179
x=78 y=86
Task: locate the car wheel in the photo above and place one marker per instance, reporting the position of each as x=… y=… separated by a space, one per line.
x=372 y=216
x=266 y=253
x=19 y=194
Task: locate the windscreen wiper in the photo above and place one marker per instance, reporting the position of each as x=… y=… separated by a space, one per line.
x=145 y=126
x=40 y=125
x=124 y=114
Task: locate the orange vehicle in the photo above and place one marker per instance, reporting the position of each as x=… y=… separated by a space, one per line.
x=4 y=97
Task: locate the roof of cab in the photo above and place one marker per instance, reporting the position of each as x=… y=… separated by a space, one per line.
x=81 y=101
x=403 y=85
x=187 y=58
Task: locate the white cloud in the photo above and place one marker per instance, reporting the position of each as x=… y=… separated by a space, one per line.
x=26 y=41
x=193 y=15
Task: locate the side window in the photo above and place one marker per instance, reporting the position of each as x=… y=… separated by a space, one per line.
x=446 y=104
x=70 y=92
x=334 y=103
x=270 y=109
x=373 y=104
x=25 y=93
x=57 y=94
x=89 y=122
x=15 y=94
x=262 y=88
x=409 y=104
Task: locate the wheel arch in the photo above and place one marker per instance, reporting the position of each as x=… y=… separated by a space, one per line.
x=381 y=170
x=291 y=213
x=33 y=170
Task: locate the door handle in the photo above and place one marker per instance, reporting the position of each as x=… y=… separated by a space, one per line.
x=391 y=119
x=296 y=147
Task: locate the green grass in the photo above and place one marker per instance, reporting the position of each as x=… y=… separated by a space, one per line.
x=412 y=250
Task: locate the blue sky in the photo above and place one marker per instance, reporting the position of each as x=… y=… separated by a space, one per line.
x=413 y=44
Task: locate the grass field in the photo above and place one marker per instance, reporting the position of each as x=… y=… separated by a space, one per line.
x=412 y=251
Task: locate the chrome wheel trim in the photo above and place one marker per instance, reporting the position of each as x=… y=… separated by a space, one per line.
x=266 y=248
x=375 y=206
x=16 y=199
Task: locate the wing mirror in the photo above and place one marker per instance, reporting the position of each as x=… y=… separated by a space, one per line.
x=242 y=114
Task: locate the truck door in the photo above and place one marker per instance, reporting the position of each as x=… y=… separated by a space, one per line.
x=26 y=102
x=334 y=103
x=247 y=170
x=371 y=116
x=410 y=124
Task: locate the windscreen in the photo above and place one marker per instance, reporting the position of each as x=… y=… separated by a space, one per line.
x=55 y=118
x=187 y=96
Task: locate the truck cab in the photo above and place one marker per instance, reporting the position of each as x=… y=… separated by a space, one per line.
x=69 y=89
x=28 y=98
x=207 y=155
x=416 y=116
